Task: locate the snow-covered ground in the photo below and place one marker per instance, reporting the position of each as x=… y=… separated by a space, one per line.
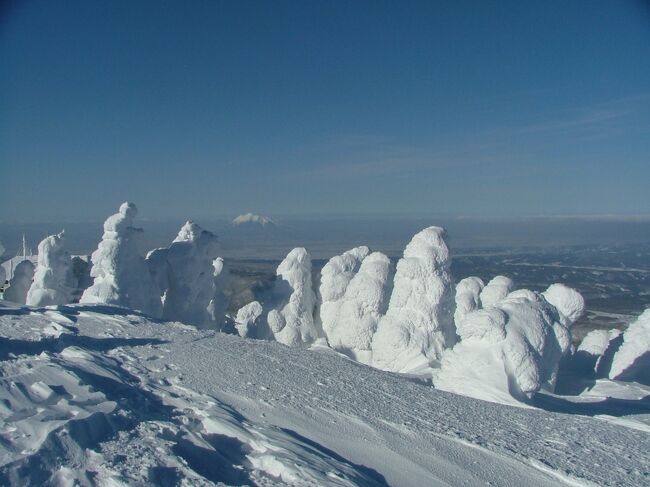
x=101 y=395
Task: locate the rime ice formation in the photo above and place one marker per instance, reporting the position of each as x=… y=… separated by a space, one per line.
x=632 y=360
x=120 y=273
x=334 y=280
x=291 y=318
x=569 y=302
x=246 y=322
x=186 y=275
x=364 y=302
x=20 y=282
x=509 y=349
x=220 y=301
x=250 y=218
x=419 y=322
x=595 y=352
x=468 y=299
x=3 y=274
x=495 y=290
x=54 y=282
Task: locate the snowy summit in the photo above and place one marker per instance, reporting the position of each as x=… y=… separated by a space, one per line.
x=252 y=219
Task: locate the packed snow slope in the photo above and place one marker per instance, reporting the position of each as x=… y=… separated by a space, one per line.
x=100 y=395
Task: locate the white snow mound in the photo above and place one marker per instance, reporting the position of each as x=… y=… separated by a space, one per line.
x=419 y=323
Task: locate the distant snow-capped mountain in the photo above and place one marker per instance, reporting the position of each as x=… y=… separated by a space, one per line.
x=252 y=219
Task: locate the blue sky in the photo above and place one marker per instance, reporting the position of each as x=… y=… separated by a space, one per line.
x=194 y=109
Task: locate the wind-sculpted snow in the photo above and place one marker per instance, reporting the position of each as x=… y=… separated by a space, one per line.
x=495 y=290
x=569 y=302
x=247 y=321
x=468 y=292
x=120 y=273
x=510 y=349
x=20 y=283
x=632 y=360
x=54 y=281
x=191 y=279
x=360 y=308
x=594 y=355
x=334 y=279
x=218 y=307
x=118 y=400
x=292 y=302
x=3 y=274
x=419 y=324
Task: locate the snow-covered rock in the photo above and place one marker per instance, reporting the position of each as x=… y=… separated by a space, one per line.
x=468 y=299
x=186 y=274
x=54 y=282
x=121 y=275
x=632 y=360
x=419 y=323
x=363 y=304
x=495 y=290
x=292 y=303
x=20 y=283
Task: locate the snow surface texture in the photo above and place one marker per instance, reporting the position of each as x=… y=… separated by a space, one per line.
x=20 y=282
x=120 y=273
x=291 y=319
x=187 y=277
x=97 y=395
x=512 y=348
x=250 y=218
x=54 y=282
x=419 y=324
x=632 y=360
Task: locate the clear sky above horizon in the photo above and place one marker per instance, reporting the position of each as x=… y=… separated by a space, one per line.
x=215 y=108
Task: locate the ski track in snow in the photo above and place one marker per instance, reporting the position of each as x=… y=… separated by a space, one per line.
x=103 y=396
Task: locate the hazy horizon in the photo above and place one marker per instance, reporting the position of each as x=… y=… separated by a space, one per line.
x=346 y=108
